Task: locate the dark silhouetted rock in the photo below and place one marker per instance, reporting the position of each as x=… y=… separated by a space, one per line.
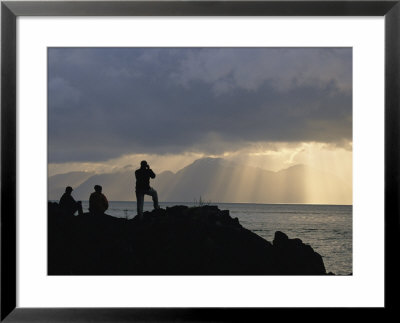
x=295 y=257
x=177 y=240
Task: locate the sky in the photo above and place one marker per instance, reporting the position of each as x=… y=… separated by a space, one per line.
x=267 y=107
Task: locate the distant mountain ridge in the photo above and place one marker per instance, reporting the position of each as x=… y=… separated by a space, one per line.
x=57 y=183
x=218 y=180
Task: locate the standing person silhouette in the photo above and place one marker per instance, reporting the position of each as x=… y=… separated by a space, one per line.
x=143 y=175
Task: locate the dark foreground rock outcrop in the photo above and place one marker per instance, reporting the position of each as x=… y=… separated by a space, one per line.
x=173 y=241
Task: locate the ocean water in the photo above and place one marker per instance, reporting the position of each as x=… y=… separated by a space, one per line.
x=327 y=228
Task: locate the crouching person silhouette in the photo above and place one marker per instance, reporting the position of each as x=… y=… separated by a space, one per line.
x=98 y=203
x=143 y=175
x=68 y=204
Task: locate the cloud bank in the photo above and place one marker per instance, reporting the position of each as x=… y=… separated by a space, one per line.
x=108 y=102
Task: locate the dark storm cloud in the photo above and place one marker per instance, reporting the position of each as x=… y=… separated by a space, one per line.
x=107 y=102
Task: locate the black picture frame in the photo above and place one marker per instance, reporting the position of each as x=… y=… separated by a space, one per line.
x=10 y=10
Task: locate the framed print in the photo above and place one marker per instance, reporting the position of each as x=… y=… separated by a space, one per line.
x=168 y=160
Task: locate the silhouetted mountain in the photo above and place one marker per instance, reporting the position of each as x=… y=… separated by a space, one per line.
x=173 y=241
x=58 y=183
x=218 y=180
x=118 y=186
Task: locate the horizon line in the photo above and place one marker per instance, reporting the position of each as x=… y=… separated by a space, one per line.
x=214 y=203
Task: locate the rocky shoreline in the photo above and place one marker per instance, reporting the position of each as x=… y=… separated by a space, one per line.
x=178 y=240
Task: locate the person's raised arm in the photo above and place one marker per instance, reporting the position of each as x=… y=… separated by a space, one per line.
x=151 y=173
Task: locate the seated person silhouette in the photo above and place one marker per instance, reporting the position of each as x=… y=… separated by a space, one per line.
x=68 y=204
x=98 y=203
x=143 y=175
